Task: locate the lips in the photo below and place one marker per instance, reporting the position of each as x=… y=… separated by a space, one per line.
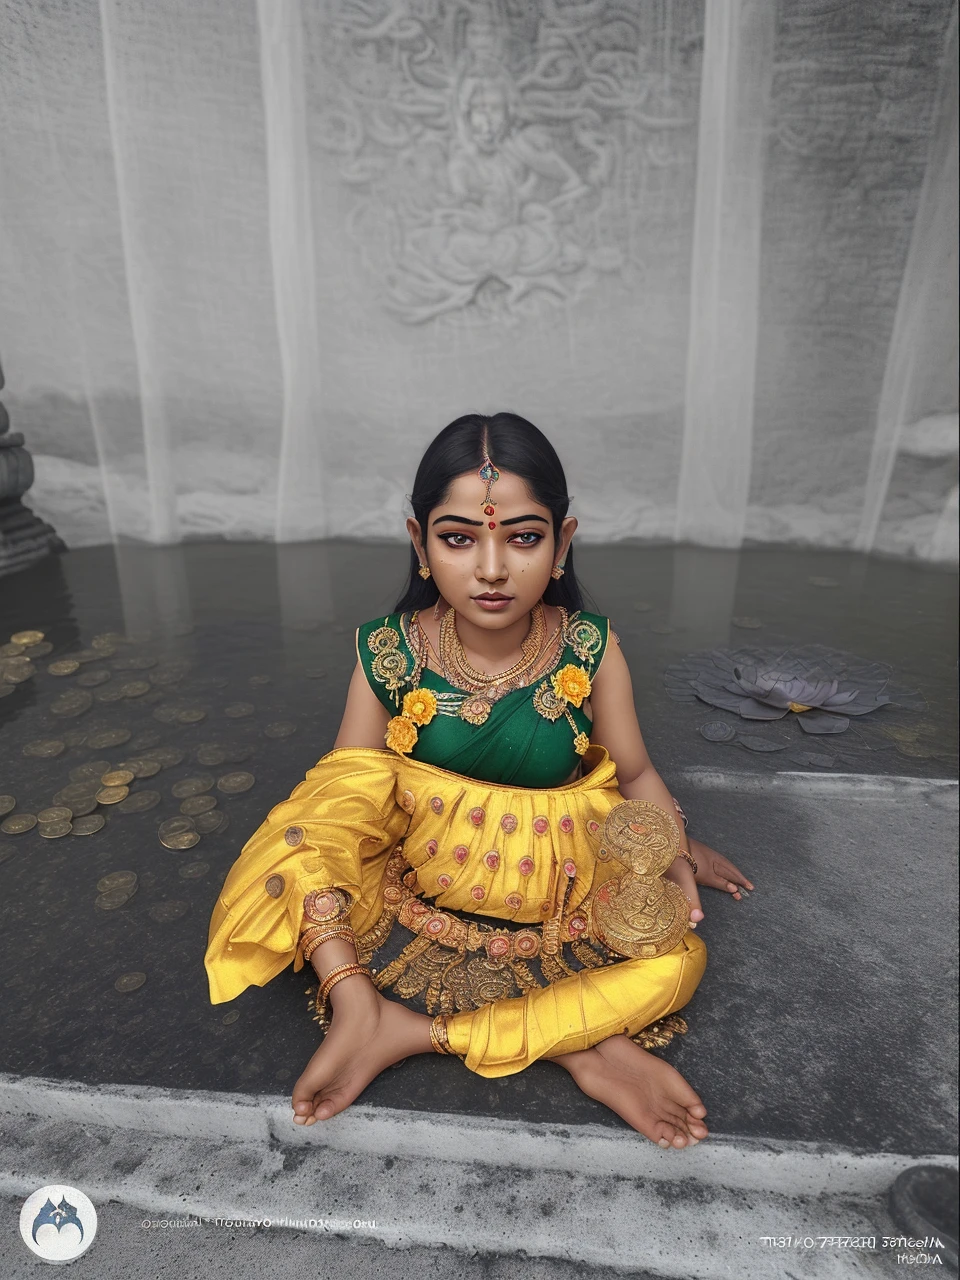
x=492 y=595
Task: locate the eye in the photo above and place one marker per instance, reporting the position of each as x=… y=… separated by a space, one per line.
x=445 y=538
x=530 y=534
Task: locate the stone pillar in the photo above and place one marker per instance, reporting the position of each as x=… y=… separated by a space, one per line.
x=24 y=538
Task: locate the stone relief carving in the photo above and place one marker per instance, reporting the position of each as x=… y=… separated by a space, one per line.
x=506 y=153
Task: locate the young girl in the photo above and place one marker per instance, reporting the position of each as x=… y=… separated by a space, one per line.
x=490 y=802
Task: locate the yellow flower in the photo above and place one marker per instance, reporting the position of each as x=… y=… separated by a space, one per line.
x=580 y=744
x=572 y=684
x=420 y=706
x=401 y=735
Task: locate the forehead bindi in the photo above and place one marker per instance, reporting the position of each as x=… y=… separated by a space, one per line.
x=509 y=493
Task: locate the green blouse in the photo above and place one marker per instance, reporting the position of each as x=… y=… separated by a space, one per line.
x=529 y=737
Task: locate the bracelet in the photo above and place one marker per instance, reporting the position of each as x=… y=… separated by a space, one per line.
x=336 y=975
x=438 y=1036
x=683 y=853
x=311 y=940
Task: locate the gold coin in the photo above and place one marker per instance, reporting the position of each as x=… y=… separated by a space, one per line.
x=195 y=805
x=53 y=830
x=210 y=753
x=74 y=703
x=92 y=771
x=108 y=738
x=86 y=826
x=92 y=655
x=116 y=880
x=65 y=667
x=192 y=786
x=112 y=795
x=185 y=841
x=82 y=807
x=232 y=784
x=237 y=710
x=280 y=729
x=117 y=778
x=137 y=662
x=45 y=748
x=107 y=640
x=7 y=804
x=165 y=714
x=130 y=982
x=175 y=827
x=230 y=1018
x=38 y=650
x=194 y=870
x=11 y=650
x=140 y=767
x=191 y=715
x=209 y=822
x=135 y=688
x=75 y=793
x=26 y=637
x=139 y=802
x=90 y=679
x=164 y=912
x=6 y=689
x=17 y=670
x=18 y=824
x=115 y=898
x=56 y=813
x=113 y=694
x=166 y=757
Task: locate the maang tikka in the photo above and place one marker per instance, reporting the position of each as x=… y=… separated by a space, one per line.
x=489 y=474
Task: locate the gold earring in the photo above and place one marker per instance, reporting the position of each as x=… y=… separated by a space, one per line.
x=556 y=571
x=424 y=571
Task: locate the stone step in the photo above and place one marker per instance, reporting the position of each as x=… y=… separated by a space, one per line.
x=599 y=1197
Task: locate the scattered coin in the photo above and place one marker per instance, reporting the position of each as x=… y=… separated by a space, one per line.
x=195 y=805
x=107 y=640
x=6 y=689
x=166 y=757
x=26 y=637
x=194 y=870
x=165 y=714
x=11 y=650
x=87 y=826
x=192 y=786
x=82 y=807
x=116 y=880
x=185 y=841
x=210 y=753
x=747 y=624
x=108 y=738
x=7 y=804
x=92 y=655
x=115 y=898
x=18 y=823
x=38 y=650
x=117 y=778
x=237 y=710
x=53 y=830
x=112 y=795
x=56 y=813
x=76 y=791
x=718 y=731
x=45 y=748
x=135 y=688
x=141 y=767
x=74 y=703
x=17 y=670
x=175 y=827
x=280 y=729
x=211 y=821
x=191 y=715
x=259 y=680
x=113 y=693
x=232 y=784
x=130 y=982
x=230 y=1018
x=164 y=912
x=65 y=667
x=168 y=675
x=139 y=802
x=92 y=771
x=136 y=662
x=90 y=679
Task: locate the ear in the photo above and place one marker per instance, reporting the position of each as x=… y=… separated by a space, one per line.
x=567 y=530
x=413 y=528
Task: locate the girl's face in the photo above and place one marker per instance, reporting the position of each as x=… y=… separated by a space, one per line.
x=494 y=568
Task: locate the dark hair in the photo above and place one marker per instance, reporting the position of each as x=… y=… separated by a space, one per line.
x=513 y=444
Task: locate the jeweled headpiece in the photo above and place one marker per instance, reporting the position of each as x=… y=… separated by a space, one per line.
x=489 y=474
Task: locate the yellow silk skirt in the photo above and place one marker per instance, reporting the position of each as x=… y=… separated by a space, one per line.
x=479 y=847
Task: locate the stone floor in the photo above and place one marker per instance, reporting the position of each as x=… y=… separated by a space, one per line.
x=828 y=1010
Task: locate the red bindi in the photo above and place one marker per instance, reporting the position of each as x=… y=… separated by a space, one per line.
x=491 y=525
x=488 y=511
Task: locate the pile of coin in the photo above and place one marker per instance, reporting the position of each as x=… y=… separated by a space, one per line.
x=116 y=889
x=178 y=833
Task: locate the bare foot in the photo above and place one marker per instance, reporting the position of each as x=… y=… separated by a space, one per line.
x=368 y=1033
x=647 y=1092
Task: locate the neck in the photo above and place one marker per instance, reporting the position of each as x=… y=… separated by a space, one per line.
x=493 y=646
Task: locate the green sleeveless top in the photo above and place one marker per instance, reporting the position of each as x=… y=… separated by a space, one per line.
x=532 y=737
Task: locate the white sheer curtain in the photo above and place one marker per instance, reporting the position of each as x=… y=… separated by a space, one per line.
x=255 y=253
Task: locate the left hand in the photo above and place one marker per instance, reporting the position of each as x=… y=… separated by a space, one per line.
x=681 y=873
x=715 y=871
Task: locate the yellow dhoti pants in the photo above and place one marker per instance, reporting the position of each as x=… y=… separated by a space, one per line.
x=488 y=849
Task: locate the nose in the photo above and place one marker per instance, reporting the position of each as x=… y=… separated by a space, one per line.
x=490 y=566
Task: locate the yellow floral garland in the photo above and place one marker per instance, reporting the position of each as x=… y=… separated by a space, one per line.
x=419 y=708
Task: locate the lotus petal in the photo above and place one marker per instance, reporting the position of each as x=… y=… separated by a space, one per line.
x=822 y=722
x=750 y=709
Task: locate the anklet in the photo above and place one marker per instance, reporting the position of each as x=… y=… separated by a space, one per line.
x=330 y=981
x=315 y=938
x=438 y=1036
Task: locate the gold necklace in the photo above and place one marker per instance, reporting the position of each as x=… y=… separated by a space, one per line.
x=458 y=670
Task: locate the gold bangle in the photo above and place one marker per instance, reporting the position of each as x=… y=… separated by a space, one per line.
x=683 y=853
x=311 y=943
x=438 y=1036
x=337 y=975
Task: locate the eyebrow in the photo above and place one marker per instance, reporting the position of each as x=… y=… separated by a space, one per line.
x=511 y=521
